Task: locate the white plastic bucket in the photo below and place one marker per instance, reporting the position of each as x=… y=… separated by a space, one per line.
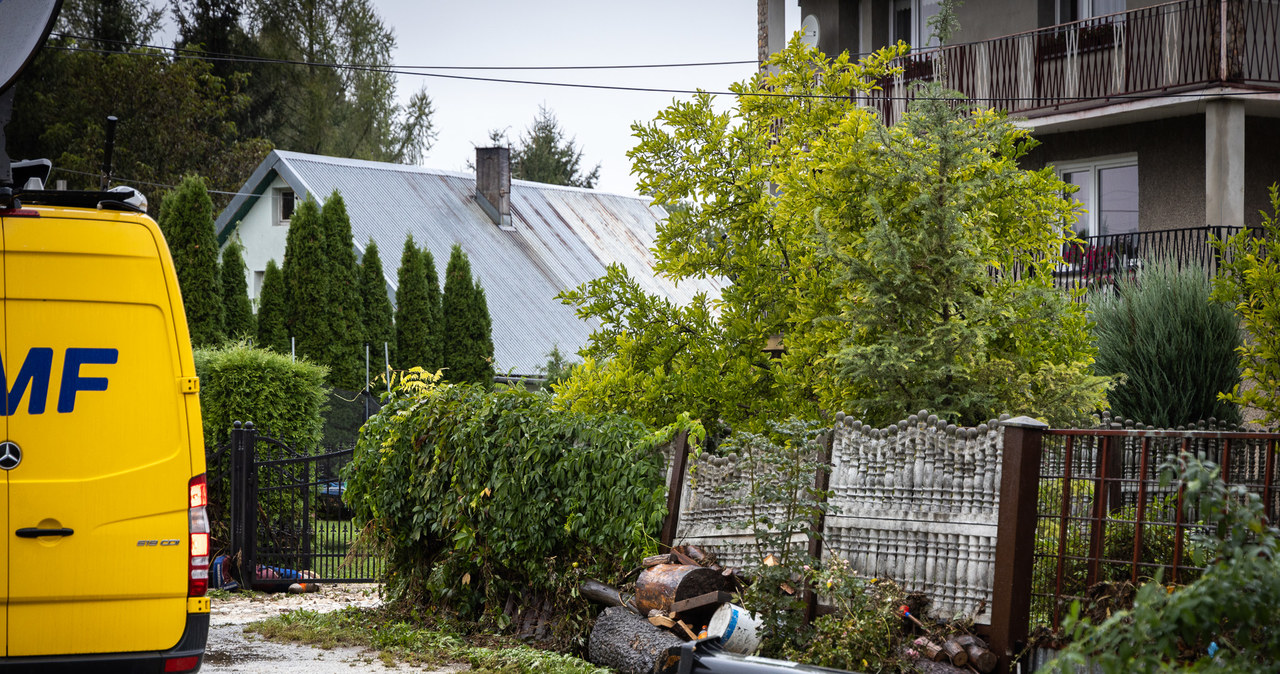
x=739 y=631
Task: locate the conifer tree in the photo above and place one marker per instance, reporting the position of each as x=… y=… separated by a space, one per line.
x=235 y=293
x=346 y=355
x=466 y=323
x=485 y=334
x=413 y=311
x=272 y=332
x=376 y=314
x=435 y=324
x=306 y=284
x=186 y=218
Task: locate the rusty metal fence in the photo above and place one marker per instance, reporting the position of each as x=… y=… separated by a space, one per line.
x=1102 y=514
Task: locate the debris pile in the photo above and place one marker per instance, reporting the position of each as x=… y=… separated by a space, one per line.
x=676 y=596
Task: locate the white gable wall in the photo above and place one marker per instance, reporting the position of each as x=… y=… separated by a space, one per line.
x=263 y=239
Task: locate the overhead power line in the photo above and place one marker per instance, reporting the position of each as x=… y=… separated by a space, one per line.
x=403 y=70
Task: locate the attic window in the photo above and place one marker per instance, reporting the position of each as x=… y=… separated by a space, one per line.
x=284 y=200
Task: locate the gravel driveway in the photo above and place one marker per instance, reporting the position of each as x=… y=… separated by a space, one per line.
x=230 y=649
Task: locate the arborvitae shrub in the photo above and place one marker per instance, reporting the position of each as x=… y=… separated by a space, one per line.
x=186 y=218
x=1175 y=346
x=272 y=332
x=346 y=350
x=235 y=293
x=435 y=325
x=306 y=282
x=467 y=350
x=413 y=311
x=376 y=315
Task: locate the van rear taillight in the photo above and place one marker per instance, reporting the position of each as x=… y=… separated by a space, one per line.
x=198 y=582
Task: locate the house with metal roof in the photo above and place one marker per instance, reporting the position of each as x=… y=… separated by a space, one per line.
x=527 y=241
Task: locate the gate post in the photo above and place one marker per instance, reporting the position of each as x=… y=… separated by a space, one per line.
x=250 y=555
x=236 y=504
x=244 y=498
x=675 y=489
x=1015 y=537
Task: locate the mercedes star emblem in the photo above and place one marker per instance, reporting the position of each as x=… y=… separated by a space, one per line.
x=10 y=455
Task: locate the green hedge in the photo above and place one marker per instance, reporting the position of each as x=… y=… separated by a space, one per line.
x=479 y=493
x=283 y=399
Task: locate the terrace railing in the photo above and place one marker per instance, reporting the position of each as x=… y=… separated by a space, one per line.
x=1101 y=261
x=1176 y=46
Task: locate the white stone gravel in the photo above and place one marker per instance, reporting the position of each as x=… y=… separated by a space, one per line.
x=231 y=649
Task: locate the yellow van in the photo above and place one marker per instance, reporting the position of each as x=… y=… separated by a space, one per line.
x=105 y=560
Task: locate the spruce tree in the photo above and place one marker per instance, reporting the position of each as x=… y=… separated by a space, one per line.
x=413 y=311
x=465 y=324
x=435 y=324
x=272 y=314
x=346 y=353
x=376 y=314
x=306 y=284
x=235 y=293
x=186 y=218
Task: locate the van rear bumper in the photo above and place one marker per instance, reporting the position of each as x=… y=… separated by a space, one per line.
x=192 y=644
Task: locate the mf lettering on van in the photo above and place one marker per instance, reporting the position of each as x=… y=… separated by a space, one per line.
x=37 y=369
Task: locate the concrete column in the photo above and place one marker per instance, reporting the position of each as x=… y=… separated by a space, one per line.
x=1224 y=163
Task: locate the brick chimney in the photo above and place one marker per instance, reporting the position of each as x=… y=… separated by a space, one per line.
x=493 y=184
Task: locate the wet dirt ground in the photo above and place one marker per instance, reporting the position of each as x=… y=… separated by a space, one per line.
x=231 y=649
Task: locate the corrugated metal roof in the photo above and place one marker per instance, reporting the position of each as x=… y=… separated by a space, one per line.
x=564 y=236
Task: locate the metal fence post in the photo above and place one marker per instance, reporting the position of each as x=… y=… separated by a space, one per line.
x=675 y=489
x=1015 y=537
x=236 y=504
x=249 y=557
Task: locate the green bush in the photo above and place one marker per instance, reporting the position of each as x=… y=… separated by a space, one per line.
x=1175 y=346
x=283 y=399
x=241 y=383
x=476 y=494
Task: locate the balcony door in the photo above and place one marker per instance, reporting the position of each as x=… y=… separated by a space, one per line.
x=1108 y=195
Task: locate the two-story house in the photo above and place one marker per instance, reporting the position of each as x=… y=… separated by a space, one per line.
x=1165 y=115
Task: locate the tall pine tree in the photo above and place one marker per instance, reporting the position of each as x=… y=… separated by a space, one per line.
x=413 y=311
x=346 y=352
x=466 y=324
x=235 y=293
x=186 y=218
x=306 y=284
x=435 y=326
x=376 y=315
x=272 y=332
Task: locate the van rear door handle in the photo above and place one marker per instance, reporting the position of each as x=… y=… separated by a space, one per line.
x=30 y=532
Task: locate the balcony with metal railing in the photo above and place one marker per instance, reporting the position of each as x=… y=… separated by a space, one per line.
x=1102 y=261
x=1173 y=47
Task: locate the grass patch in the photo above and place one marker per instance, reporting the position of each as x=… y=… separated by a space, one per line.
x=398 y=638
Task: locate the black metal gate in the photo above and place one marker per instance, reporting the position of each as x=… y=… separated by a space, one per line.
x=286 y=519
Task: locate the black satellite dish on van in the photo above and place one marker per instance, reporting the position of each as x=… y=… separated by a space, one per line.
x=24 y=25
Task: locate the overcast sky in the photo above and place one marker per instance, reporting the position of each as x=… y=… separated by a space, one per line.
x=562 y=33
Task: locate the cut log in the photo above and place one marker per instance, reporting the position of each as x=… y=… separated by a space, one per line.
x=628 y=643
x=695 y=553
x=600 y=593
x=655 y=560
x=929 y=649
x=955 y=653
x=968 y=640
x=981 y=659
x=665 y=584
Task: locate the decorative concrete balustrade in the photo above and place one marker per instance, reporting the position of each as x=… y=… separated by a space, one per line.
x=916 y=502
